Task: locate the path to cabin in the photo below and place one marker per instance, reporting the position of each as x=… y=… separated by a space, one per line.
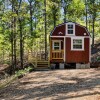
x=76 y=84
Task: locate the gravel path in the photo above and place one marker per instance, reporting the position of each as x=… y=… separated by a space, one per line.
x=76 y=84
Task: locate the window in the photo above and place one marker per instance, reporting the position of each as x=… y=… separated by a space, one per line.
x=56 y=45
x=70 y=28
x=77 y=44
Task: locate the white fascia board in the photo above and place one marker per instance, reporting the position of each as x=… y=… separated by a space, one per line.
x=69 y=36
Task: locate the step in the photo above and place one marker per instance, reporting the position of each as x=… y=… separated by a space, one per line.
x=42 y=65
x=42 y=62
x=42 y=68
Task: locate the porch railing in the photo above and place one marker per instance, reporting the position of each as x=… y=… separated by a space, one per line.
x=57 y=54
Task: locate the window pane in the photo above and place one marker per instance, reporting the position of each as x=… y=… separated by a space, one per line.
x=77 y=46
x=56 y=43
x=56 y=48
x=77 y=41
x=70 y=31
x=70 y=26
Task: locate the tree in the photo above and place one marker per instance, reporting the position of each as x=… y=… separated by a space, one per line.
x=54 y=11
x=65 y=4
x=86 y=12
x=76 y=10
x=93 y=6
x=45 y=21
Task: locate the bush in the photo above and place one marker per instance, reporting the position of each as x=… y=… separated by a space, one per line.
x=22 y=72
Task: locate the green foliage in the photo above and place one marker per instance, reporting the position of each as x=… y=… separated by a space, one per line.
x=76 y=9
x=34 y=39
x=22 y=72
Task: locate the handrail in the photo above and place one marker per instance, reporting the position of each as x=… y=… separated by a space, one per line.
x=57 y=54
x=57 y=50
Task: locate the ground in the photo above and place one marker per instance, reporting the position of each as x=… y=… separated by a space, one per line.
x=75 y=84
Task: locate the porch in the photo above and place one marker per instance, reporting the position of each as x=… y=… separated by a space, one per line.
x=57 y=49
x=57 y=54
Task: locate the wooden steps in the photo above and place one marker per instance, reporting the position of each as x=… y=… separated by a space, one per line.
x=42 y=69
x=42 y=65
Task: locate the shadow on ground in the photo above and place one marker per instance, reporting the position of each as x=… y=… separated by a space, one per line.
x=44 y=91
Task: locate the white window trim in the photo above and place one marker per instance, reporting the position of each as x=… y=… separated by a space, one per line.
x=82 y=44
x=67 y=28
x=59 y=44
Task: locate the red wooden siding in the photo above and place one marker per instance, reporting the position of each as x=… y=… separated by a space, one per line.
x=59 y=29
x=79 y=31
x=77 y=56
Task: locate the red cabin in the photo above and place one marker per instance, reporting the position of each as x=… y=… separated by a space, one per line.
x=70 y=43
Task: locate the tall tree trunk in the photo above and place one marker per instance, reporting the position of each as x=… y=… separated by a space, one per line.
x=12 y=52
x=13 y=39
x=3 y=50
x=45 y=30
x=35 y=23
x=93 y=26
x=54 y=20
x=64 y=12
x=21 y=34
x=54 y=17
x=21 y=43
x=31 y=25
x=86 y=12
x=14 y=42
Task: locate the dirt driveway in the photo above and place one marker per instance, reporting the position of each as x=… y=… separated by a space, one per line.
x=76 y=84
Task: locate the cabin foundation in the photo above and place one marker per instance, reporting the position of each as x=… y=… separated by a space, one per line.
x=82 y=66
x=78 y=66
x=61 y=66
x=52 y=66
